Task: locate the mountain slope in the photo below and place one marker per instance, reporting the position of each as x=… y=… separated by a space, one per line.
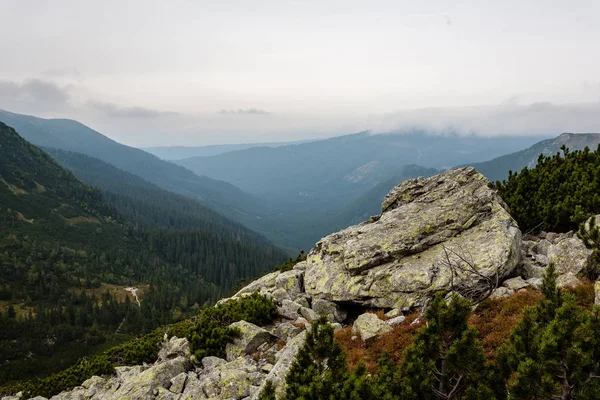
x=180 y=152
x=73 y=136
x=59 y=243
x=328 y=171
x=369 y=204
x=307 y=185
x=38 y=197
x=209 y=244
x=169 y=209
x=498 y=168
x=66 y=257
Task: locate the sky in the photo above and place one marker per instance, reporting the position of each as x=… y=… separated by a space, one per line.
x=197 y=72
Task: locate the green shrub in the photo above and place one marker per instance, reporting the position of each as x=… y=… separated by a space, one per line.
x=212 y=333
x=136 y=351
x=558 y=194
x=289 y=264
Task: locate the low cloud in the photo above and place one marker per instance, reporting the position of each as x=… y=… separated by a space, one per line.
x=34 y=95
x=113 y=110
x=248 y=111
x=505 y=119
x=63 y=72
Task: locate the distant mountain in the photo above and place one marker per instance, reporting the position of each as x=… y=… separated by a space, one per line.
x=307 y=184
x=67 y=252
x=213 y=244
x=344 y=165
x=498 y=168
x=287 y=193
x=140 y=200
x=180 y=152
x=369 y=204
x=40 y=199
x=73 y=136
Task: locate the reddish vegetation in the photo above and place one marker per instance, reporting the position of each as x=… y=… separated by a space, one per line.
x=394 y=343
x=584 y=293
x=494 y=320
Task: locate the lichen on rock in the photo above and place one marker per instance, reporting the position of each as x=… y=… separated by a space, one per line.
x=396 y=260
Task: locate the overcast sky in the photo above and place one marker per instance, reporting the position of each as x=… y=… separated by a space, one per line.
x=223 y=71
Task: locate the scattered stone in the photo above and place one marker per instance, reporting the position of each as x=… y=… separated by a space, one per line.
x=234 y=384
x=369 y=325
x=158 y=376
x=251 y=336
x=597 y=292
x=569 y=255
x=280 y=370
x=178 y=383
x=309 y=314
x=336 y=326
x=264 y=283
x=541 y=247
x=567 y=280
x=551 y=236
x=531 y=268
x=303 y=301
x=301 y=266
x=267 y=368
x=211 y=362
x=280 y=294
x=396 y=320
x=501 y=292
x=326 y=308
x=291 y=281
x=286 y=331
x=535 y=283
x=515 y=283
x=164 y=394
x=302 y=322
x=174 y=348
x=393 y=313
x=289 y=309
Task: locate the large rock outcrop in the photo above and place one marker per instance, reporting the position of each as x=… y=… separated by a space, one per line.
x=396 y=260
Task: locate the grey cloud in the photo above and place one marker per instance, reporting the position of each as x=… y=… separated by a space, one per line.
x=248 y=111
x=34 y=95
x=113 y=110
x=537 y=118
x=63 y=72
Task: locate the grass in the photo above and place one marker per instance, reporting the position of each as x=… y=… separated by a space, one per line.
x=394 y=343
x=493 y=318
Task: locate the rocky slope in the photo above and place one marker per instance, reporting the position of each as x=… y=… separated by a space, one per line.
x=451 y=232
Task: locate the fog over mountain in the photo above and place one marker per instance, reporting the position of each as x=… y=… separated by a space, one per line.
x=201 y=73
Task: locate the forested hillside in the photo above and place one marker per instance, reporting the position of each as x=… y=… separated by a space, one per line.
x=182 y=230
x=66 y=257
x=498 y=168
x=559 y=193
x=73 y=136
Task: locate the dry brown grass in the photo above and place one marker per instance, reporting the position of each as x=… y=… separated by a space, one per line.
x=584 y=293
x=495 y=319
x=394 y=343
x=379 y=312
x=83 y=220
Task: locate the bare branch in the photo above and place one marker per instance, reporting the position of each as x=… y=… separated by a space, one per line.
x=465 y=277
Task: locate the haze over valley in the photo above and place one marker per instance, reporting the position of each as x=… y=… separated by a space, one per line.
x=294 y=200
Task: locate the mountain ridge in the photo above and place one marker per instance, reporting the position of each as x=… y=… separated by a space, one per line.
x=72 y=135
x=499 y=167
